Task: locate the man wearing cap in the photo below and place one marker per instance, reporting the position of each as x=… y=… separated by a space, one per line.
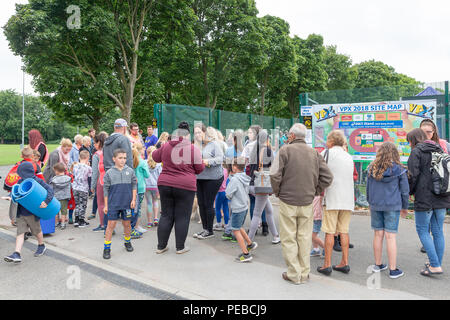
x=117 y=140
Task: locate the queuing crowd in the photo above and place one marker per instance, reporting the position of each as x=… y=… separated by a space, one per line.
x=224 y=178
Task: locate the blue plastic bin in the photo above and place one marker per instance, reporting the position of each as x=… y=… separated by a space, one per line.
x=48 y=226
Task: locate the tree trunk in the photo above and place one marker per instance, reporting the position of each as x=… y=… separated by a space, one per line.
x=96 y=122
x=168 y=96
x=205 y=82
x=263 y=93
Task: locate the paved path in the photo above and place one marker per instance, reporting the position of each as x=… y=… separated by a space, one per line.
x=208 y=271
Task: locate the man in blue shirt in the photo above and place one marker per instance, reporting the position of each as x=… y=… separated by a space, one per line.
x=151 y=139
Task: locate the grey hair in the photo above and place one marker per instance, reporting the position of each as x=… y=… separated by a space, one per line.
x=299 y=130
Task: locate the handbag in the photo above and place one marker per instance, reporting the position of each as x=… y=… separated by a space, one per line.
x=262 y=180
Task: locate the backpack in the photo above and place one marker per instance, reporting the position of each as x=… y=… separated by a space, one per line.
x=12 y=177
x=440 y=168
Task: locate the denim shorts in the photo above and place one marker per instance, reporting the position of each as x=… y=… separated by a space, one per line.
x=385 y=220
x=238 y=219
x=125 y=215
x=317 y=225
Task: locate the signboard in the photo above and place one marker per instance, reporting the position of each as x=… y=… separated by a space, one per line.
x=307 y=121
x=306 y=111
x=368 y=125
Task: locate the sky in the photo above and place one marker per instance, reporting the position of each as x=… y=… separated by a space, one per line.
x=409 y=35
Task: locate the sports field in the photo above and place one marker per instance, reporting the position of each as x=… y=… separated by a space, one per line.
x=10 y=153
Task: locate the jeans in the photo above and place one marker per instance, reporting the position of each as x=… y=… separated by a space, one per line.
x=137 y=210
x=252 y=207
x=176 y=208
x=435 y=245
x=94 y=204
x=222 y=205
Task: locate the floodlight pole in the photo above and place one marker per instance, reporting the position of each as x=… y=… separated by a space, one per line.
x=23 y=109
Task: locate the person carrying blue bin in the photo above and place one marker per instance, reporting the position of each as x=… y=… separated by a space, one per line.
x=27 y=220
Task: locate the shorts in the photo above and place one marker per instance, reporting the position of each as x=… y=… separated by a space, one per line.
x=125 y=215
x=336 y=221
x=385 y=220
x=24 y=223
x=317 y=225
x=237 y=220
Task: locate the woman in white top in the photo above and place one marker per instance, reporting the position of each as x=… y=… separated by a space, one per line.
x=339 y=200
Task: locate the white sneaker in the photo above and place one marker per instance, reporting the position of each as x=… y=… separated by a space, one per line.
x=141 y=230
x=276 y=240
x=195 y=235
x=218 y=227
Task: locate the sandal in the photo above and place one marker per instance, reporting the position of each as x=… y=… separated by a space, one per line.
x=427 y=272
x=155 y=222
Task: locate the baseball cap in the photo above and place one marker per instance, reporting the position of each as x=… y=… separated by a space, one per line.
x=120 y=123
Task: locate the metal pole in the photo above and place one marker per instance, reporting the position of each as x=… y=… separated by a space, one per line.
x=23 y=110
x=447 y=124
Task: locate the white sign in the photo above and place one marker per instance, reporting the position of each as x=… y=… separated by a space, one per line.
x=307 y=111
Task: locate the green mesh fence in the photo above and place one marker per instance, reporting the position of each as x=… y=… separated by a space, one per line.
x=170 y=115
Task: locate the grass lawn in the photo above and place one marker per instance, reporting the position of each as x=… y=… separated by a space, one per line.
x=10 y=153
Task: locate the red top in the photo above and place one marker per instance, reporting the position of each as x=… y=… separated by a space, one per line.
x=181 y=162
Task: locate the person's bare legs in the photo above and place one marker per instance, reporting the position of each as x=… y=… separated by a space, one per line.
x=40 y=238
x=344 y=246
x=378 y=246
x=329 y=242
x=240 y=240
x=109 y=229
x=391 y=244
x=127 y=228
x=20 y=239
x=317 y=242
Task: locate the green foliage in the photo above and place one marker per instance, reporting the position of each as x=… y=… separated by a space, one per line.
x=129 y=55
x=37 y=116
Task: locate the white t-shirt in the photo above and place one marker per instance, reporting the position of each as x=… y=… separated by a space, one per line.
x=340 y=195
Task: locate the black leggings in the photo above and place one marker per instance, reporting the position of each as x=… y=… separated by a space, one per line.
x=206 y=194
x=176 y=208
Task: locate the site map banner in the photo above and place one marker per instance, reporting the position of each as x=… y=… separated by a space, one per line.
x=368 y=125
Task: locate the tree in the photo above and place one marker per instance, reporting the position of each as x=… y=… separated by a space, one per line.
x=310 y=70
x=341 y=75
x=37 y=116
x=225 y=35
x=377 y=74
x=278 y=70
x=97 y=67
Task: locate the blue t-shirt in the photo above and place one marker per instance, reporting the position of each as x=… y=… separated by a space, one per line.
x=150 y=141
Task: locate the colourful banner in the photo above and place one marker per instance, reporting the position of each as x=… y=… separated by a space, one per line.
x=368 y=125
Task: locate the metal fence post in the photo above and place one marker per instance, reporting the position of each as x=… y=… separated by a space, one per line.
x=219 y=113
x=273 y=122
x=303 y=102
x=210 y=118
x=156 y=116
x=250 y=120
x=447 y=124
x=161 y=107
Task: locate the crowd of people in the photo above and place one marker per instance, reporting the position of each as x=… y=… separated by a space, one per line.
x=225 y=178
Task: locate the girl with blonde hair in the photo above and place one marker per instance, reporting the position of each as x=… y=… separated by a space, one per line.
x=151 y=191
x=141 y=170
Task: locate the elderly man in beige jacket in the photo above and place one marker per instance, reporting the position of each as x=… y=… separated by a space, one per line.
x=298 y=174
